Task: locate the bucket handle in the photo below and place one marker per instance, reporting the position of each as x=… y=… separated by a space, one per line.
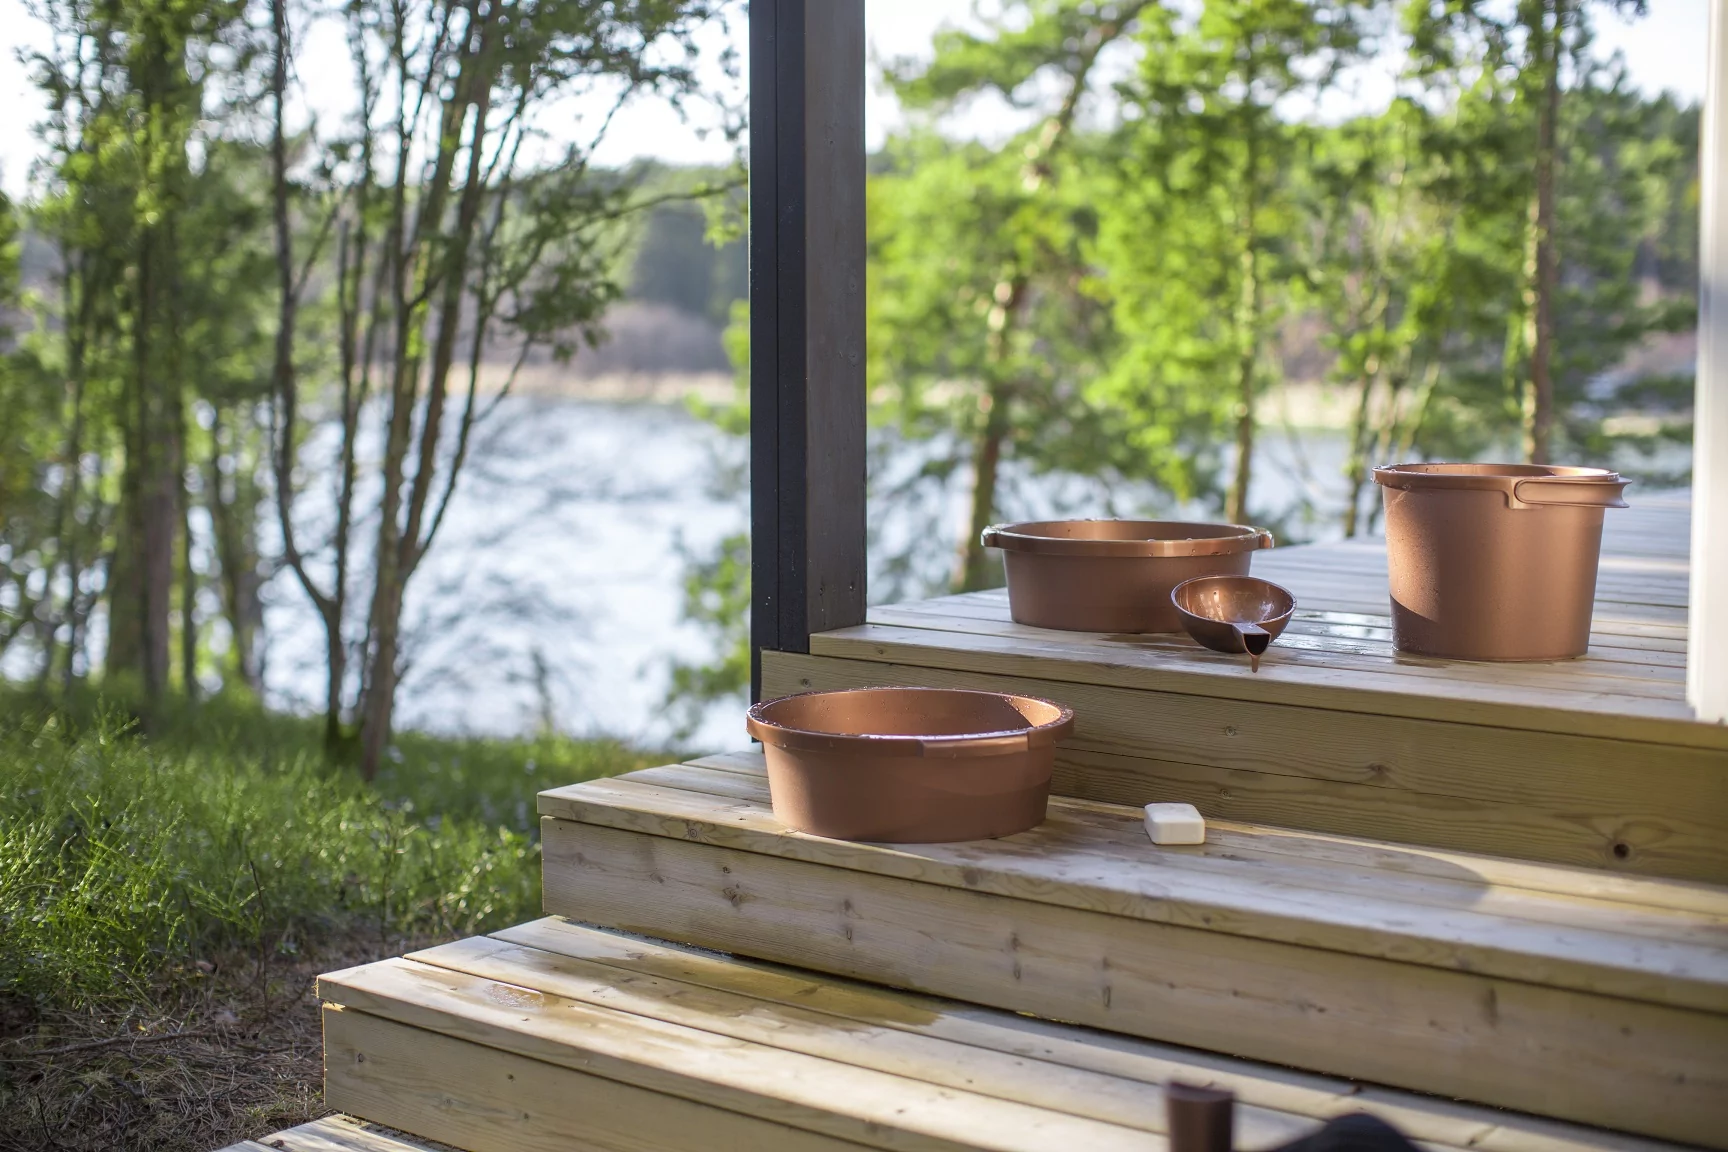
x=1559 y=491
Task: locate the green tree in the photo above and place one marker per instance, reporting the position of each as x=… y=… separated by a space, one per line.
x=450 y=243
x=983 y=333
x=1407 y=293
x=136 y=202
x=1196 y=237
x=1518 y=59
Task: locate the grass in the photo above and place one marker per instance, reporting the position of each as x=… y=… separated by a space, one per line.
x=191 y=884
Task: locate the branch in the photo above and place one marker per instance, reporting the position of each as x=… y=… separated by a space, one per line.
x=285 y=387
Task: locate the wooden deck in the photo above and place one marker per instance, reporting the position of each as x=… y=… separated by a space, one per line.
x=1500 y=884
x=1563 y=991
x=557 y=1036
x=1593 y=762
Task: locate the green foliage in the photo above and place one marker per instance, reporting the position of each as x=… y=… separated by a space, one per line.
x=957 y=242
x=717 y=599
x=1196 y=243
x=1112 y=292
x=690 y=247
x=123 y=860
x=985 y=331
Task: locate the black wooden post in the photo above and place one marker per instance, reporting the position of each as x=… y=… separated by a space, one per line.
x=806 y=322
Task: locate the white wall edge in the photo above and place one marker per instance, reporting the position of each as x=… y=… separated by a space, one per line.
x=1707 y=639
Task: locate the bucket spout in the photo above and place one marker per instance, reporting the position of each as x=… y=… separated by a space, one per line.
x=1254 y=641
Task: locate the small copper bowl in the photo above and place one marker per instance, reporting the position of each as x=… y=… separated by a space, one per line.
x=909 y=765
x=1233 y=613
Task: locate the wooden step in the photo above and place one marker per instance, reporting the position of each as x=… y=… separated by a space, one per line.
x=554 y=1035
x=1566 y=992
x=1596 y=762
x=336 y=1134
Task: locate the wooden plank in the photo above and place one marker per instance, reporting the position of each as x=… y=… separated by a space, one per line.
x=1639 y=1067
x=1069 y=862
x=1707 y=900
x=1361 y=655
x=1365 y=657
x=1368 y=639
x=1317 y=568
x=339 y=1134
x=1370 y=633
x=845 y=1101
x=1575 y=898
x=1124 y=666
x=1607 y=630
x=1404 y=827
x=1629 y=806
x=483 y=1099
x=863 y=1011
x=859 y=1043
x=1429 y=820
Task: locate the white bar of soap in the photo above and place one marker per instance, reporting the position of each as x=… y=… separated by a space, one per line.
x=1175 y=824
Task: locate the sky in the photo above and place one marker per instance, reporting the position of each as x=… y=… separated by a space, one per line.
x=1664 y=50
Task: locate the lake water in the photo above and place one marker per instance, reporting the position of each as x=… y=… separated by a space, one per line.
x=555 y=586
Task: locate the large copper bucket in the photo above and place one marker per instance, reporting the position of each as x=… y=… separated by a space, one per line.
x=1494 y=561
x=1114 y=575
x=909 y=765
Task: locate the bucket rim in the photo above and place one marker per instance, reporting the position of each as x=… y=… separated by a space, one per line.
x=1437 y=474
x=761 y=724
x=1160 y=538
x=1523 y=485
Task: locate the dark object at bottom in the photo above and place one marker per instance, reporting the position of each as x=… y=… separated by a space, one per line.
x=1203 y=1120
x=1199 y=1119
x=1358 y=1132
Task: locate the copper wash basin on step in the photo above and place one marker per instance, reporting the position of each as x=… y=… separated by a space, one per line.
x=1114 y=575
x=909 y=765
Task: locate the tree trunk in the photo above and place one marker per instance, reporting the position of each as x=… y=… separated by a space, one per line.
x=65 y=529
x=144 y=575
x=286 y=391
x=400 y=547
x=1356 y=467
x=976 y=571
x=233 y=513
x=161 y=521
x=150 y=521
x=1247 y=330
x=1539 y=410
x=188 y=596
x=1248 y=333
x=380 y=702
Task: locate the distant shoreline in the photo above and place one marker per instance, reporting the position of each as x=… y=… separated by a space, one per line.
x=558 y=381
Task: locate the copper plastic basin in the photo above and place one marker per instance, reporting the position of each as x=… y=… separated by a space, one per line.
x=1494 y=561
x=1114 y=575
x=1233 y=613
x=909 y=765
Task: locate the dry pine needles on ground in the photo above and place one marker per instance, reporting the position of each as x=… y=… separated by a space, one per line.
x=229 y=1054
